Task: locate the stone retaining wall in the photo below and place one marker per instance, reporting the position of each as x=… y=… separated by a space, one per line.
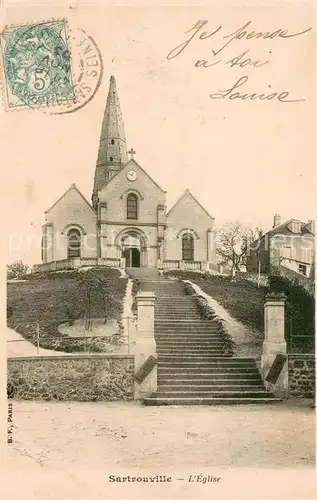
x=94 y=377
x=301 y=375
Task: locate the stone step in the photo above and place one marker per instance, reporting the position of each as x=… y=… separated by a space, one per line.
x=229 y=360
x=189 y=331
x=210 y=401
x=183 y=344
x=174 y=315
x=190 y=335
x=172 y=324
x=176 y=303
x=225 y=387
x=207 y=375
x=172 y=306
x=163 y=289
x=187 y=359
x=189 y=352
x=212 y=362
x=188 y=325
x=261 y=393
x=203 y=369
x=183 y=300
x=166 y=326
x=188 y=339
x=176 y=308
x=215 y=362
x=177 y=381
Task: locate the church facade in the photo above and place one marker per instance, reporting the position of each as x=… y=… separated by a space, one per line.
x=127 y=223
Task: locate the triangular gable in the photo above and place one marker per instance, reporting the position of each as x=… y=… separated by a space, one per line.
x=188 y=193
x=132 y=163
x=72 y=187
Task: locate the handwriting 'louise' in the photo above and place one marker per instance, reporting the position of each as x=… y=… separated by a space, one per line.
x=231 y=94
x=242 y=33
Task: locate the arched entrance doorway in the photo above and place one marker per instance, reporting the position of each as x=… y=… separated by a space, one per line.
x=133 y=249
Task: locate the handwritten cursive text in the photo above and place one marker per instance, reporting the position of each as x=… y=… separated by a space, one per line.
x=232 y=94
x=242 y=33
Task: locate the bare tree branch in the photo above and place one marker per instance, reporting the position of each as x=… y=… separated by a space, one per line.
x=233 y=243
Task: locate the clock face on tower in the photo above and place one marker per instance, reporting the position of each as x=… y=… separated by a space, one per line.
x=132 y=175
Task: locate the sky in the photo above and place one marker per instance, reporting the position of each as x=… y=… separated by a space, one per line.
x=243 y=159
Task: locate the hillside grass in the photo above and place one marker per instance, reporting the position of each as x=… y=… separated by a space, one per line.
x=244 y=301
x=53 y=298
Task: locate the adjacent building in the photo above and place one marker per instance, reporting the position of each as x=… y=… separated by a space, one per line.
x=289 y=244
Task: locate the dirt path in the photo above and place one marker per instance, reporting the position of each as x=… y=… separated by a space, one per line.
x=129 y=435
x=18 y=346
x=69 y=450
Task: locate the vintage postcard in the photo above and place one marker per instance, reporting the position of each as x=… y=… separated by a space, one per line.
x=159 y=249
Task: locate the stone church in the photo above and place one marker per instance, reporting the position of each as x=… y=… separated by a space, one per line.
x=127 y=223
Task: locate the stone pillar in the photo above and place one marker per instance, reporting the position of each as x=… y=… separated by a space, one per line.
x=103 y=216
x=145 y=344
x=49 y=242
x=211 y=246
x=274 y=341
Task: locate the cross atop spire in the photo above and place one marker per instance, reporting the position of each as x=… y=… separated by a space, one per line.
x=131 y=152
x=112 y=154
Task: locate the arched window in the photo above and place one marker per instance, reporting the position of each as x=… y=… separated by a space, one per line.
x=74 y=242
x=132 y=206
x=187 y=247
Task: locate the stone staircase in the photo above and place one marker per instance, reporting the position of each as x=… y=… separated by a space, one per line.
x=143 y=273
x=195 y=364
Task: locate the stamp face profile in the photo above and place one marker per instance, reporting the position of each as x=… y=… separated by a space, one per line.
x=37 y=65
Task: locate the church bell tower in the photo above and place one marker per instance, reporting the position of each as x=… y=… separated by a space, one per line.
x=112 y=154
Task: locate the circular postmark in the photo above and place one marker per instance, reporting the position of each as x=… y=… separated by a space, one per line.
x=50 y=69
x=87 y=69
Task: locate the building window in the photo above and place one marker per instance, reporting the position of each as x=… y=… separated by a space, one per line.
x=132 y=206
x=112 y=141
x=187 y=247
x=302 y=269
x=295 y=226
x=111 y=159
x=286 y=252
x=74 y=243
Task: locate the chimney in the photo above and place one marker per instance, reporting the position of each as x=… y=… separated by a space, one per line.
x=311 y=226
x=276 y=220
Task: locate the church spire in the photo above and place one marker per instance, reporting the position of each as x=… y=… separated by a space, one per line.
x=112 y=154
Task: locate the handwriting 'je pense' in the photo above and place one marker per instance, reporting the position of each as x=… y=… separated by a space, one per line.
x=243 y=33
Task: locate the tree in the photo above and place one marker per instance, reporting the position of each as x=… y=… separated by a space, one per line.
x=105 y=290
x=17 y=270
x=88 y=286
x=233 y=243
x=94 y=288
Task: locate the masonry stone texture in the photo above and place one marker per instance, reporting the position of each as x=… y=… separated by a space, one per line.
x=301 y=375
x=73 y=377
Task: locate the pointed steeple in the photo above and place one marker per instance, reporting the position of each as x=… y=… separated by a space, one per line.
x=112 y=154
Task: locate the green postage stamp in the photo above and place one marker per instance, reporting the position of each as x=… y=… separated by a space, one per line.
x=36 y=65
